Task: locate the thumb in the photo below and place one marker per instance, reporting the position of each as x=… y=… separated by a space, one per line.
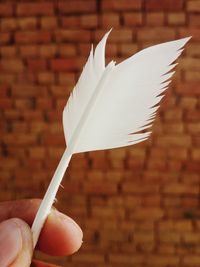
x=15 y=243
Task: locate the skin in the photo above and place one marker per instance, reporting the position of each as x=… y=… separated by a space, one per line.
x=60 y=236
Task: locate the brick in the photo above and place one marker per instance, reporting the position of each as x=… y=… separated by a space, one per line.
x=193 y=20
x=111 y=50
x=190 y=63
x=21 y=90
x=176 y=18
x=137 y=152
x=49 y=139
x=49 y=23
x=24 y=37
x=44 y=104
x=193 y=165
x=173 y=127
x=7 y=78
x=165 y=5
x=12 y=65
x=36 y=64
x=133 y=19
x=8 y=51
x=89 y=258
x=68 y=80
x=54 y=152
x=190 y=88
x=73 y=35
x=152 y=201
x=117 y=153
x=144 y=226
x=174 y=114
x=193 y=50
x=169 y=237
x=108 y=213
x=193 y=5
x=177 y=153
x=37 y=153
x=100 y=188
x=6 y=9
x=166 y=249
x=191 y=259
x=126 y=259
x=8 y=24
x=59 y=91
x=48 y=50
x=20 y=140
x=11 y=164
x=46 y=77
x=195 y=154
x=67 y=64
x=193 y=128
x=151 y=214
x=29 y=51
x=192 y=76
x=67 y=50
x=178 y=140
x=135 y=164
x=109 y=19
x=157 y=33
x=84 y=49
x=6 y=103
x=80 y=6
x=5 y=38
x=95 y=173
x=23 y=104
x=179 y=188
x=139 y=188
x=155 y=19
x=71 y=22
x=27 y=23
x=158 y=153
x=188 y=102
x=162 y=260
x=99 y=163
x=4 y=90
x=121 y=5
x=157 y=164
x=183 y=226
x=89 y=21
x=28 y=9
x=55 y=127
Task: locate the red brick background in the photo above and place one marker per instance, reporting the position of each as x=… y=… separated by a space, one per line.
x=138 y=206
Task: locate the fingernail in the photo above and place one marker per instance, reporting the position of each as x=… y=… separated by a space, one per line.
x=10 y=242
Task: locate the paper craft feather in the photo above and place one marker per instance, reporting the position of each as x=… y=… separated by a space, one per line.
x=111 y=105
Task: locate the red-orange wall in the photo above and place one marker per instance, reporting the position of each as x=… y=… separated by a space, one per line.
x=138 y=206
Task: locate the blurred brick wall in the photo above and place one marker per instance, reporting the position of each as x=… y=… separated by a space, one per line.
x=138 y=206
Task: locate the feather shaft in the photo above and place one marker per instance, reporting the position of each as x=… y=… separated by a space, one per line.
x=49 y=197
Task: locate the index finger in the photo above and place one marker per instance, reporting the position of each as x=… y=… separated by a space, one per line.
x=60 y=235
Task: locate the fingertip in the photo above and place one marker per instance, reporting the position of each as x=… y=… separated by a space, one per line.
x=60 y=236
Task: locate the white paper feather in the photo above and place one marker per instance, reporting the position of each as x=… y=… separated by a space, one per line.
x=111 y=105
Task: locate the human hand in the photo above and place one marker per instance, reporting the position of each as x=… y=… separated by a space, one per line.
x=60 y=235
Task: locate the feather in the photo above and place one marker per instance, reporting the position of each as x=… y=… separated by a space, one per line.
x=112 y=106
